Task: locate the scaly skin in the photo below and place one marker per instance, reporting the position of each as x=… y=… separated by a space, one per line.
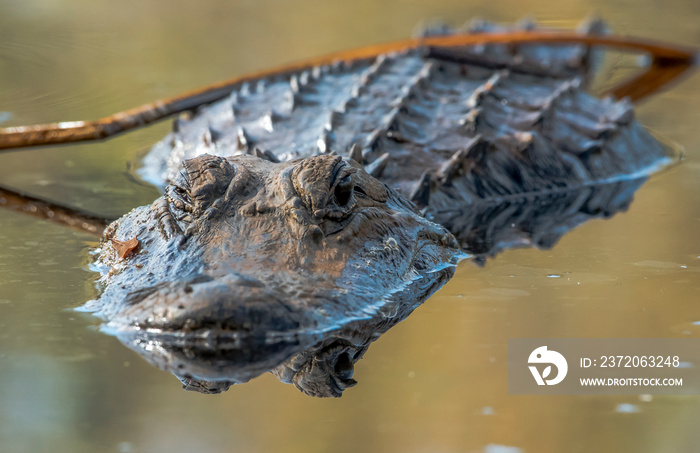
x=248 y=246
x=272 y=255
x=459 y=132
x=270 y=252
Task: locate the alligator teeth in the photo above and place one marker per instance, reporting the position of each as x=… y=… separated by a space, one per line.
x=420 y=194
x=356 y=153
x=377 y=167
x=265 y=155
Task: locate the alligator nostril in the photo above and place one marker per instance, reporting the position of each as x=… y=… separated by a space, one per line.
x=343 y=191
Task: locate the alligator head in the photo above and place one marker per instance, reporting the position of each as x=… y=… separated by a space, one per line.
x=241 y=247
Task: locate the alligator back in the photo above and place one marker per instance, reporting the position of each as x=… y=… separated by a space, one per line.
x=448 y=128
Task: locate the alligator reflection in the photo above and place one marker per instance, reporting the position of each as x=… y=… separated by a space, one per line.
x=318 y=364
x=488 y=229
x=321 y=364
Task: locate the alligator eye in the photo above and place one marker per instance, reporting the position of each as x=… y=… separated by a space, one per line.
x=343 y=191
x=178 y=193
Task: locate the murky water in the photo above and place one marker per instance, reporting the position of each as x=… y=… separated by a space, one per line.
x=437 y=381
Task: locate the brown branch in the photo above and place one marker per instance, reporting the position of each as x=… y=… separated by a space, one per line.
x=46 y=210
x=674 y=60
x=660 y=73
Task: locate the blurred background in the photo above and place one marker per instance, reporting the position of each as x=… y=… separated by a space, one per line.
x=435 y=383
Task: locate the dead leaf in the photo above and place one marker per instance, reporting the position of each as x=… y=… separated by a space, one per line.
x=123 y=248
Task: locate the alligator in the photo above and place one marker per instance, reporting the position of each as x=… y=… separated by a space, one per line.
x=312 y=209
x=320 y=362
x=310 y=326
x=259 y=258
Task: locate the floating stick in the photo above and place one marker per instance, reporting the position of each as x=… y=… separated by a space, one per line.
x=62 y=215
x=668 y=63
